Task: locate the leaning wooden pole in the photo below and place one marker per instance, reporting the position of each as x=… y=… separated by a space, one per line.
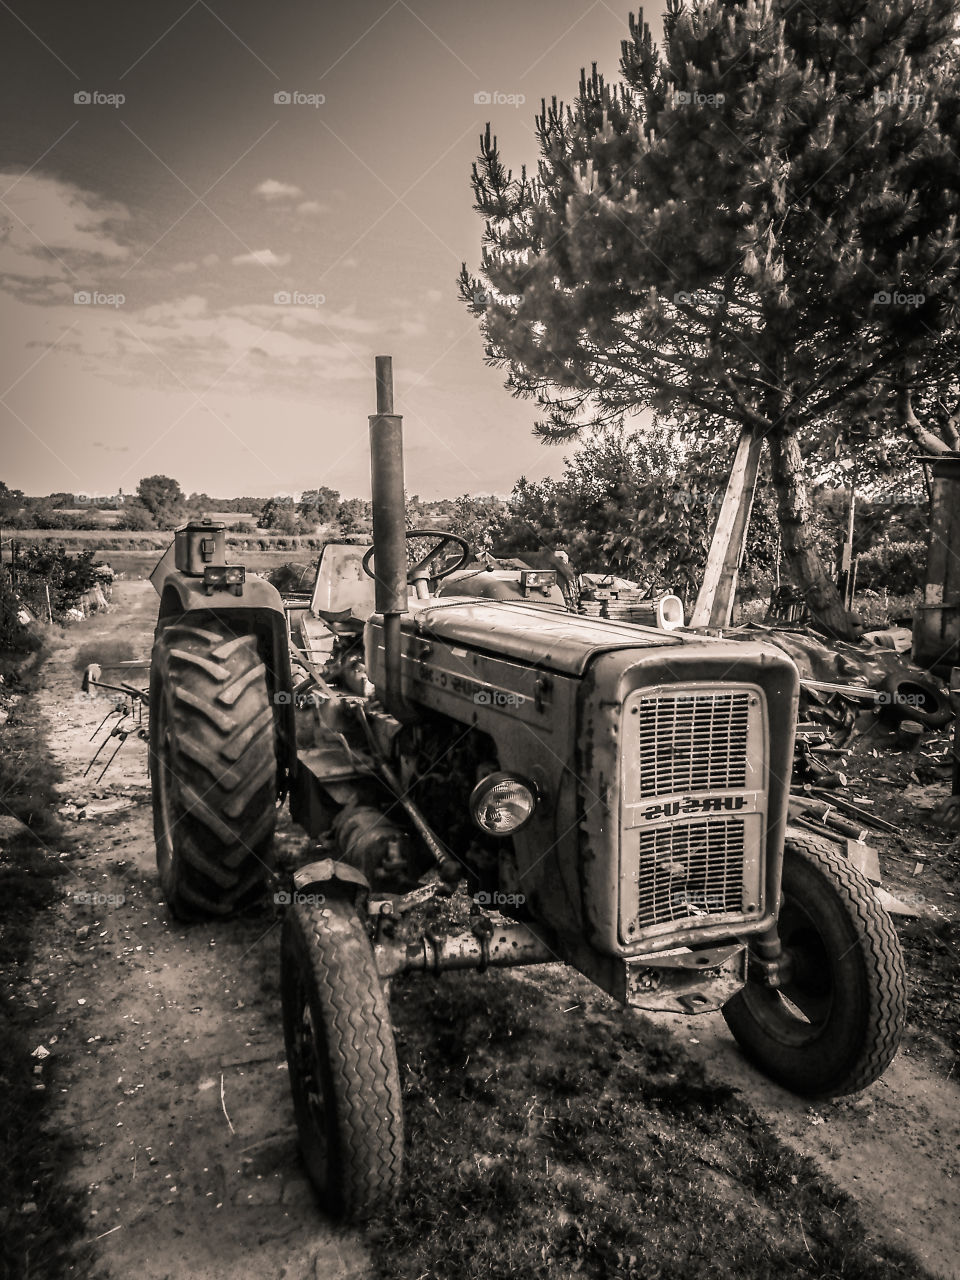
x=714 y=606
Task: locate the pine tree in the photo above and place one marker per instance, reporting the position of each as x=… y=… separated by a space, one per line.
x=755 y=228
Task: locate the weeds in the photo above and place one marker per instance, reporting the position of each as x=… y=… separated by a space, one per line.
x=546 y=1145
x=39 y=1216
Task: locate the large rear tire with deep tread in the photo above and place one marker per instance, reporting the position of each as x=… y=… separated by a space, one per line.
x=836 y=1023
x=342 y=1059
x=213 y=765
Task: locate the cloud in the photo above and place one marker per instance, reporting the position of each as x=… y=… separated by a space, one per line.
x=261 y=258
x=271 y=189
x=53 y=231
x=312 y=208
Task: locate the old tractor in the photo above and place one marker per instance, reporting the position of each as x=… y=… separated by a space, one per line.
x=614 y=796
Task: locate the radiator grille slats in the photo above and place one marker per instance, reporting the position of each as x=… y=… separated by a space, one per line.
x=690 y=870
x=689 y=742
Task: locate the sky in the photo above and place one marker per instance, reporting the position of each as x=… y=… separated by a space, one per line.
x=214 y=215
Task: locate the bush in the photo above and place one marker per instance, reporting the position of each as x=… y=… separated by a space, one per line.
x=67 y=577
x=894 y=567
x=15 y=636
x=135 y=518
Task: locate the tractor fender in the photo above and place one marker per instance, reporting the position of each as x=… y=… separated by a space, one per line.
x=328 y=872
x=257 y=609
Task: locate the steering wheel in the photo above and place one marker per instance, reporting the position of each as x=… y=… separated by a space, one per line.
x=417 y=570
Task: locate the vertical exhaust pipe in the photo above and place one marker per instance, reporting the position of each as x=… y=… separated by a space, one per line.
x=389 y=528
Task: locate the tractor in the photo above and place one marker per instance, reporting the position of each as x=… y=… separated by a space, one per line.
x=609 y=795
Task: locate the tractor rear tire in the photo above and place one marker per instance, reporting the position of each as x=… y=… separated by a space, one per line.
x=835 y=1025
x=342 y=1059
x=213 y=765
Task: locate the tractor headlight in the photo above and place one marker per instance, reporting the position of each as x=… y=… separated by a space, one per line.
x=502 y=803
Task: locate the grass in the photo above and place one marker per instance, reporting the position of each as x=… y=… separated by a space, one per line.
x=103 y=652
x=37 y=1241
x=545 y=1144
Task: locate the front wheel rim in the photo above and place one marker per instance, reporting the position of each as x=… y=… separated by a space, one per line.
x=798 y=1013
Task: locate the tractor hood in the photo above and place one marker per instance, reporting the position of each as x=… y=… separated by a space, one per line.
x=540 y=635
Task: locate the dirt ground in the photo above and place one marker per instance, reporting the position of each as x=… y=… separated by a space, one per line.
x=166 y=1058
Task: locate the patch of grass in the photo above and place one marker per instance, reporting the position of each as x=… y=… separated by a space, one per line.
x=932 y=949
x=549 y=1145
x=103 y=652
x=39 y=1216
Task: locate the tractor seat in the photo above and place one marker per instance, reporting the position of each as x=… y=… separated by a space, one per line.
x=343 y=595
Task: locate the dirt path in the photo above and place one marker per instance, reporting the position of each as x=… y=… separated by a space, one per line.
x=157 y=1030
x=148 y=1021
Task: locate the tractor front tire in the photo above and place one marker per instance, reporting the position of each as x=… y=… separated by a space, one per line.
x=213 y=765
x=835 y=1025
x=342 y=1059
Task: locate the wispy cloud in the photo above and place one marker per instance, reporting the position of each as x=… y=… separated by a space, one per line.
x=261 y=258
x=272 y=189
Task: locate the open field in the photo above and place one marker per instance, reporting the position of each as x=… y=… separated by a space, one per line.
x=550 y=1134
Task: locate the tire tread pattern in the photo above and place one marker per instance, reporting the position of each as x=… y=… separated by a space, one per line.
x=223 y=768
x=883 y=970
x=333 y=946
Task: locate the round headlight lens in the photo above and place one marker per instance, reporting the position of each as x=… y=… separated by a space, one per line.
x=501 y=804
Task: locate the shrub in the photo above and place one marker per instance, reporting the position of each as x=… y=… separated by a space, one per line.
x=895 y=567
x=15 y=636
x=135 y=518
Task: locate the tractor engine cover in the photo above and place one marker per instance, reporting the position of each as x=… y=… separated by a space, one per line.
x=661 y=762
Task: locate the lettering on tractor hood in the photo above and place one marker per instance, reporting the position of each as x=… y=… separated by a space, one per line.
x=542 y=635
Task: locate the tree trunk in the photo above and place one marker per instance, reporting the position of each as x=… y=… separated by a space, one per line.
x=823 y=600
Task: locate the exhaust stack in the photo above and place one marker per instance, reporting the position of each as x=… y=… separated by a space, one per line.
x=389 y=527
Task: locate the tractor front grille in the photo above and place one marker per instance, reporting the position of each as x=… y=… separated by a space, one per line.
x=693 y=808
x=694 y=741
x=690 y=870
